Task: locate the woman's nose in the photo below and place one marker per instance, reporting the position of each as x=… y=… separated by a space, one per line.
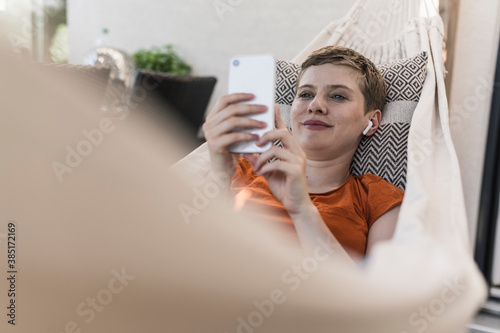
x=317 y=105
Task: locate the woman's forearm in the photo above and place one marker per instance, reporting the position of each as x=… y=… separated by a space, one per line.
x=315 y=236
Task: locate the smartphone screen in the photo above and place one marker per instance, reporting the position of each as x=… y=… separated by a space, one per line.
x=256 y=75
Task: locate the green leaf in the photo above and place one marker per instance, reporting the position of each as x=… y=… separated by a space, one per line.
x=161 y=59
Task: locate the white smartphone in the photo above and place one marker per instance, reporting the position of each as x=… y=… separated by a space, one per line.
x=254 y=74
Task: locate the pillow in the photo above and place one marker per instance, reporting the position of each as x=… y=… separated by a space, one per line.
x=384 y=153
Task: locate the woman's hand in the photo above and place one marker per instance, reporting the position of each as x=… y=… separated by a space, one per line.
x=286 y=175
x=226 y=116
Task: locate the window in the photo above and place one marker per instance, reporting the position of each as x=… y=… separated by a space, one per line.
x=36 y=29
x=487 y=249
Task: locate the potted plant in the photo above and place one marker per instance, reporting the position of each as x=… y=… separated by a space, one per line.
x=161 y=59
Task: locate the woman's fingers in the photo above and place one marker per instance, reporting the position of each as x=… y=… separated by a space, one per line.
x=220 y=127
x=285 y=167
x=220 y=144
x=275 y=152
x=228 y=107
x=231 y=118
x=231 y=124
x=229 y=99
x=291 y=153
x=286 y=138
x=231 y=105
x=227 y=117
x=238 y=110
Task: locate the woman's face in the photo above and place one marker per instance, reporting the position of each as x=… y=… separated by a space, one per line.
x=328 y=112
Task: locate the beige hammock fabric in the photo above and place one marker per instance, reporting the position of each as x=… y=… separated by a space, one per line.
x=107 y=250
x=431 y=243
x=434 y=192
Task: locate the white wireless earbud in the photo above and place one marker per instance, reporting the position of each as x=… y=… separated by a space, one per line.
x=370 y=124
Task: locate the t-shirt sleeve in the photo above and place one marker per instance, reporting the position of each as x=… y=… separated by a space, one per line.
x=382 y=196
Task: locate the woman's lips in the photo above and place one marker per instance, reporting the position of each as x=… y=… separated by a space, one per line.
x=316 y=125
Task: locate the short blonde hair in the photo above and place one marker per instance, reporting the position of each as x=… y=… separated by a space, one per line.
x=372 y=84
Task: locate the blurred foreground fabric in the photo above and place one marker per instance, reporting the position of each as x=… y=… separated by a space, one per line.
x=107 y=249
x=108 y=238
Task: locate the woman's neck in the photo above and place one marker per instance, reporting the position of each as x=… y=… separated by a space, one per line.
x=326 y=175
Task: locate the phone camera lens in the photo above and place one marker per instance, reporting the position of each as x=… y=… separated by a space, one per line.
x=236 y=62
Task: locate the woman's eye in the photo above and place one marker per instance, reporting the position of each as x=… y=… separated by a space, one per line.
x=339 y=97
x=305 y=95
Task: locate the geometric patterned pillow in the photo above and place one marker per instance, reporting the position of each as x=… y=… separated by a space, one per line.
x=286 y=80
x=405 y=78
x=384 y=153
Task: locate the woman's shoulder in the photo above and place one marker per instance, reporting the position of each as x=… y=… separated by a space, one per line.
x=369 y=181
x=377 y=195
x=369 y=178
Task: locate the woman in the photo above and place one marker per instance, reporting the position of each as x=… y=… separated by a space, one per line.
x=339 y=97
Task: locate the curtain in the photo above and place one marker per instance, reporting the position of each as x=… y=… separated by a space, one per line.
x=474 y=59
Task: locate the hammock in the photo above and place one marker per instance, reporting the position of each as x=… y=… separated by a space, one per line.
x=434 y=191
x=106 y=249
x=431 y=243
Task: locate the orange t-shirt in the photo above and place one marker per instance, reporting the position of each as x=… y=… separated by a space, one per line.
x=349 y=210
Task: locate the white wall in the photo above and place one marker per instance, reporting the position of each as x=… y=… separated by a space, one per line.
x=202 y=37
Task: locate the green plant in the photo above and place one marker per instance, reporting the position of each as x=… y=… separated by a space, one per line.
x=163 y=59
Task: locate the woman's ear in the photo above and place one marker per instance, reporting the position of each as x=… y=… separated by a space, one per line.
x=374 y=117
